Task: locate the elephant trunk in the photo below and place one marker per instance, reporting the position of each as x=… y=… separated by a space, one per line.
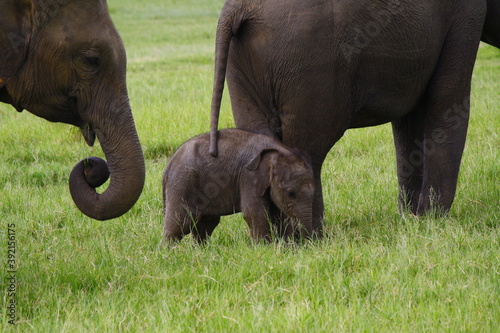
x=121 y=146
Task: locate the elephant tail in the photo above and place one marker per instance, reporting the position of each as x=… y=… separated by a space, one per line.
x=231 y=18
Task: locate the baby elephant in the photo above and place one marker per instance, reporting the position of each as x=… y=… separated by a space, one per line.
x=253 y=173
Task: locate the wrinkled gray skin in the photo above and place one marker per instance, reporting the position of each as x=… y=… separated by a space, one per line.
x=306 y=71
x=64 y=61
x=253 y=173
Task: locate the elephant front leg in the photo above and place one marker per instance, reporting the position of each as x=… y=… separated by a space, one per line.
x=257 y=214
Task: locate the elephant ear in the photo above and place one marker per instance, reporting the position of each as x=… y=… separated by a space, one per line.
x=262 y=162
x=15 y=34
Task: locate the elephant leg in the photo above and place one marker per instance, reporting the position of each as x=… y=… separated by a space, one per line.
x=250 y=113
x=408 y=137
x=301 y=118
x=285 y=227
x=259 y=225
x=177 y=224
x=316 y=147
x=204 y=228
x=257 y=214
x=446 y=119
x=318 y=206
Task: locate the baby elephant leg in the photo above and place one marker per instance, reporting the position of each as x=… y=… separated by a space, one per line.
x=177 y=224
x=256 y=212
x=204 y=228
x=258 y=222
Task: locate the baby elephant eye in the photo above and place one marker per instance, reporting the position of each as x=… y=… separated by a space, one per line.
x=291 y=194
x=93 y=61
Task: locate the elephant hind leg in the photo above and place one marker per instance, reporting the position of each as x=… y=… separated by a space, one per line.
x=204 y=228
x=408 y=137
x=447 y=116
x=428 y=154
x=431 y=142
x=177 y=224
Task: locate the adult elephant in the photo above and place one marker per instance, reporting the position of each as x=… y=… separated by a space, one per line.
x=306 y=71
x=64 y=61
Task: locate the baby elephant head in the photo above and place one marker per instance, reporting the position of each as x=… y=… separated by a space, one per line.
x=288 y=178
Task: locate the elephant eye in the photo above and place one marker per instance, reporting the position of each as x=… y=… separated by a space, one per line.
x=291 y=194
x=91 y=58
x=93 y=61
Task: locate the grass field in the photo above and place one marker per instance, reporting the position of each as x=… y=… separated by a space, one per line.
x=376 y=271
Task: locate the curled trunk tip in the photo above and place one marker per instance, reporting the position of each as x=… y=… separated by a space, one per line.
x=116 y=200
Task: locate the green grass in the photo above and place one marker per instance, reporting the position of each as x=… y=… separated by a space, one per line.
x=377 y=270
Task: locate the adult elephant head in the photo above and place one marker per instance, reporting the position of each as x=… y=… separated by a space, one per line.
x=64 y=61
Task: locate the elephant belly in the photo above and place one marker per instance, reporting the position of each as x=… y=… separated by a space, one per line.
x=389 y=106
x=390 y=96
x=388 y=88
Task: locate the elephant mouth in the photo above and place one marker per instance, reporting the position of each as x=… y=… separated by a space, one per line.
x=88 y=134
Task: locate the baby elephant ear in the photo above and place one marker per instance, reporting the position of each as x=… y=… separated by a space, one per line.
x=253 y=165
x=15 y=32
x=262 y=179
